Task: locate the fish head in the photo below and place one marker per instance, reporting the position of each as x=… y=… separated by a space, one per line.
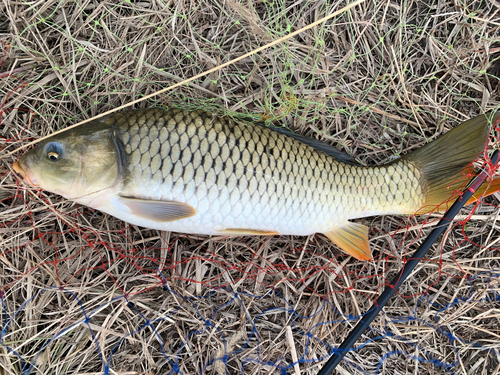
x=77 y=163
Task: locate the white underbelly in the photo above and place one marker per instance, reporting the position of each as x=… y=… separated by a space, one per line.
x=212 y=219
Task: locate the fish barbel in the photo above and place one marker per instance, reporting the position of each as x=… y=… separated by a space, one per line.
x=194 y=172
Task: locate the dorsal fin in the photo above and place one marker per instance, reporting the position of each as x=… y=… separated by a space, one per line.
x=318 y=145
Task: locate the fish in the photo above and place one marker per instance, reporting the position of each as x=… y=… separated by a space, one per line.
x=196 y=172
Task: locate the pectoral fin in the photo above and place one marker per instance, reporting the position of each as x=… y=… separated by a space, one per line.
x=353 y=239
x=159 y=211
x=243 y=231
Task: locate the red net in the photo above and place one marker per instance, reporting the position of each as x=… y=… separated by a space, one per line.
x=82 y=292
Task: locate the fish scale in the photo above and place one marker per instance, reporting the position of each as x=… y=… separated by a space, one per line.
x=194 y=172
x=256 y=178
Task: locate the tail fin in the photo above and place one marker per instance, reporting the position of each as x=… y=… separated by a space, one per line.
x=487 y=188
x=443 y=161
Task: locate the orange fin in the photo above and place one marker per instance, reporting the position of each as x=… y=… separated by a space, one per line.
x=159 y=211
x=243 y=231
x=353 y=239
x=487 y=188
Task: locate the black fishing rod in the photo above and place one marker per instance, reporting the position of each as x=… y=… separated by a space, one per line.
x=408 y=267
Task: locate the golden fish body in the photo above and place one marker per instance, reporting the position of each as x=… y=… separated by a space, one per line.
x=243 y=175
x=192 y=172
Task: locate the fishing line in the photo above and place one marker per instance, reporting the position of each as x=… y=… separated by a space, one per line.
x=207 y=72
x=408 y=267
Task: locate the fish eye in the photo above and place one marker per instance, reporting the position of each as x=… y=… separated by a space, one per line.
x=53 y=155
x=53 y=150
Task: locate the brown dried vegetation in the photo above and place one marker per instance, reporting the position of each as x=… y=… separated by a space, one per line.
x=377 y=81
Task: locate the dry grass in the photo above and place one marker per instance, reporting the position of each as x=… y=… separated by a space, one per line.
x=378 y=81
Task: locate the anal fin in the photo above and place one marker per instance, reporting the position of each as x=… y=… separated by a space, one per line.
x=353 y=239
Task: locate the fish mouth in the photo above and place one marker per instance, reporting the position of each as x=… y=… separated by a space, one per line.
x=25 y=173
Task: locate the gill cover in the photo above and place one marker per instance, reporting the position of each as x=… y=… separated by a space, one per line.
x=77 y=163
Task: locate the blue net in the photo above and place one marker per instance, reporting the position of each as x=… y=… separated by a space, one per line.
x=229 y=329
